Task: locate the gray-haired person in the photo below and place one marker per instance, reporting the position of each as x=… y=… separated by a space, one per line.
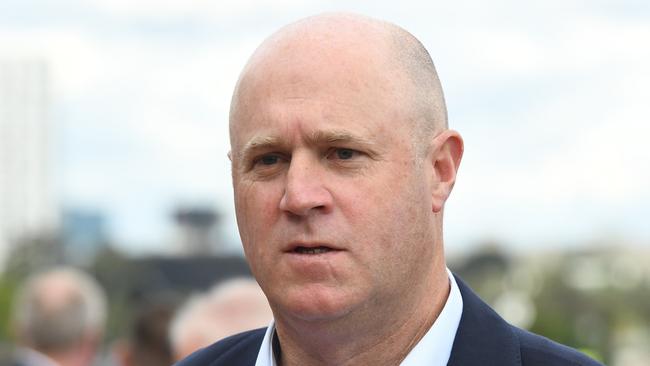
x=58 y=319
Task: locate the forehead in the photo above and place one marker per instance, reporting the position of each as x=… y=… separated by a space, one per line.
x=318 y=88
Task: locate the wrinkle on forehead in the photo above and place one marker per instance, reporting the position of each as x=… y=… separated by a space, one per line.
x=363 y=50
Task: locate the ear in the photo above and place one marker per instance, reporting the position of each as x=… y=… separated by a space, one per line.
x=446 y=153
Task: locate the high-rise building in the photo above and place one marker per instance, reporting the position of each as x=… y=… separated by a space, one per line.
x=27 y=205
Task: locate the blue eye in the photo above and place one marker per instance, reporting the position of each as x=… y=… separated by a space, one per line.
x=269 y=159
x=344 y=154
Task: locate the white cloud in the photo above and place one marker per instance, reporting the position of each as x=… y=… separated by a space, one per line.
x=70 y=55
x=207 y=10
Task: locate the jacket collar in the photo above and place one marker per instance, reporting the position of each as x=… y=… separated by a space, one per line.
x=483 y=337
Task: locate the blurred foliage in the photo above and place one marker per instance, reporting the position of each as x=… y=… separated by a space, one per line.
x=114 y=272
x=585 y=299
x=8 y=287
x=33 y=254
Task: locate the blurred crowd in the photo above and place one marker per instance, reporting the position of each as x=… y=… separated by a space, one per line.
x=120 y=311
x=59 y=318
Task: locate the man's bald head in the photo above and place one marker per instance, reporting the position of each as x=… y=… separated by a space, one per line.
x=58 y=309
x=387 y=51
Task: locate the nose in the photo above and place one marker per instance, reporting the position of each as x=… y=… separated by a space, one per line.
x=305 y=192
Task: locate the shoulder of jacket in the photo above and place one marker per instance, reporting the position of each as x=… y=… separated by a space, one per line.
x=539 y=350
x=238 y=347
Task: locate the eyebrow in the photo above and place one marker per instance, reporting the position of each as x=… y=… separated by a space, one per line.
x=321 y=137
x=335 y=136
x=259 y=143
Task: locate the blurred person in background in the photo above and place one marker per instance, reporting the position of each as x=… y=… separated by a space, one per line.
x=148 y=341
x=228 y=308
x=342 y=161
x=58 y=319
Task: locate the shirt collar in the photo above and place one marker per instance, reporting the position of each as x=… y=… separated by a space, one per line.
x=433 y=349
x=265 y=356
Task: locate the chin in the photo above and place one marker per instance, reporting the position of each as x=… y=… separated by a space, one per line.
x=316 y=306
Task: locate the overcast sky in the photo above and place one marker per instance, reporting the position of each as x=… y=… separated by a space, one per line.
x=552 y=99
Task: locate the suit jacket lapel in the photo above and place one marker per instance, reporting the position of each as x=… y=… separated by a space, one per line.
x=483 y=338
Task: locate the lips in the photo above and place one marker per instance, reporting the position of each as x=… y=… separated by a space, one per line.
x=317 y=250
x=310 y=248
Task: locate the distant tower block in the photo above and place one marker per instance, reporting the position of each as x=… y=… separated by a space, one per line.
x=27 y=204
x=197 y=234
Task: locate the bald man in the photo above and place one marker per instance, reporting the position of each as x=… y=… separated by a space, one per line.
x=59 y=319
x=342 y=161
x=230 y=307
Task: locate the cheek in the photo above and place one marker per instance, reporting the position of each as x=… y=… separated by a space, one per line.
x=393 y=219
x=256 y=208
x=387 y=202
x=255 y=202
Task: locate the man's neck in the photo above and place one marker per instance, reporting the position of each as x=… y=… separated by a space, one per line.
x=380 y=340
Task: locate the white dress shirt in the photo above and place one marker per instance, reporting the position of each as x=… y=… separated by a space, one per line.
x=433 y=349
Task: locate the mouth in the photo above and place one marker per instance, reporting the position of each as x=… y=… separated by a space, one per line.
x=312 y=250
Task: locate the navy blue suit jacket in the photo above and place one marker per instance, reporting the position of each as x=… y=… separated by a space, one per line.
x=483 y=338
